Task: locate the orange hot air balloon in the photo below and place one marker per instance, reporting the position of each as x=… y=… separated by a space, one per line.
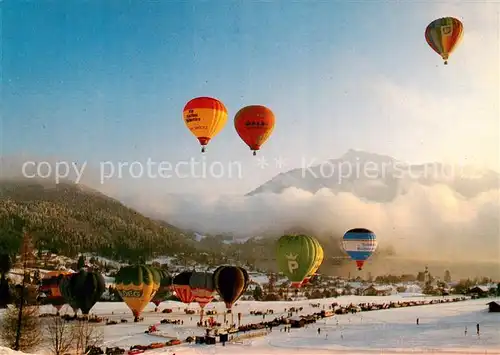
x=205 y=117
x=254 y=125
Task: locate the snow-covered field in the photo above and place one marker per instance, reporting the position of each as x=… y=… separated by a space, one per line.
x=441 y=329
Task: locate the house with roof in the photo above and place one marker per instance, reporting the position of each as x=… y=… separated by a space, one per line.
x=493 y=306
x=479 y=290
x=378 y=290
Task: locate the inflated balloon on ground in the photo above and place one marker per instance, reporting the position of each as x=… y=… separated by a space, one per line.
x=230 y=283
x=137 y=284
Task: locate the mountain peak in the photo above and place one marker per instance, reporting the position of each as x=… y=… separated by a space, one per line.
x=354 y=155
x=392 y=179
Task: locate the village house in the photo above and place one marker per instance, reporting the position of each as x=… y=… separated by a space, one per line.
x=479 y=290
x=493 y=306
x=374 y=290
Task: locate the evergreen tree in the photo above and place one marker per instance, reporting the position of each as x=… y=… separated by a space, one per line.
x=37 y=279
x=5 y=263
x=447 y=276
x=257 y=293
x=81 y=262
x=26 y=258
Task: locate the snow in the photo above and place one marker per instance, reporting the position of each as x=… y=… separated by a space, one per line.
x=440 y=330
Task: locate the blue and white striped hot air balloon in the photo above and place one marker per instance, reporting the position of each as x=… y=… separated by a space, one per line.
x=359 y=244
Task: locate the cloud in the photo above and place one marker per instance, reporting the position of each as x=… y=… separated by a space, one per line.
x=431 y=222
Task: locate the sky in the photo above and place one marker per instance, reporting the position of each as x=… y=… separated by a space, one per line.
x=99 y=81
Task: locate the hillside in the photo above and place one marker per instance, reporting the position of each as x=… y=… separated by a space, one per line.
x=70 y=219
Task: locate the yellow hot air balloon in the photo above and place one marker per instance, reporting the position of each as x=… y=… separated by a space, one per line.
x=205 y=117
x=317 y=263
x=137 y=284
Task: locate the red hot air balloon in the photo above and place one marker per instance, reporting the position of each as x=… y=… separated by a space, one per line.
x=202 y=286
x=182 y=288
x=254 y=125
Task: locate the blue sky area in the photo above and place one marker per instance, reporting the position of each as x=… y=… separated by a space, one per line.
x=107 y=80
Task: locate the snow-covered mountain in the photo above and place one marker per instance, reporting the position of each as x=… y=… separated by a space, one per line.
x=381 y=178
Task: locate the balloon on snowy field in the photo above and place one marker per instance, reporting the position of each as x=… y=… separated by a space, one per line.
x=297 y=256
x=319 y=260
x=165 y=289
x=230 y=283
x=182 y=287
x=137 y=285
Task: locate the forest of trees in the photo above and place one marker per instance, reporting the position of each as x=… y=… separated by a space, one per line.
x=68 y=219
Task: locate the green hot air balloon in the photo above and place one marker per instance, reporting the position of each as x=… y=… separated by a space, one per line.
x=165 y=289
x=84 y=289
x=296 y=255
x=65 y=289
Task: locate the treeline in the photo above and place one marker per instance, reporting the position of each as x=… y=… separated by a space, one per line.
x=67 y=219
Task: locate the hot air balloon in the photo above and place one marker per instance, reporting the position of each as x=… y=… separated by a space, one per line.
x=297 y=255
x=137 y=284
x=65 y=290
x=165 y=289
x=443 y=35
x=254 y=125
x=202 y=286
x=205 y=117
x=230 y=283
x=85 y=289
x=359 y=244
x=182 y=287
x=317 y=264
x=50 y=287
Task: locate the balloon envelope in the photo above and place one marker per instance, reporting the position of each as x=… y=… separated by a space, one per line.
x=165 y=289
x=230 y=283
x=85 y=289
x=50 y=287
x=182 y=287
x=202 y=286
x=318 y=262
x=254 y=125
x=205 y=117
x=137 y=284
x=359 y=244
x=65 y=289
x=443 y=35
x=297 y=255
